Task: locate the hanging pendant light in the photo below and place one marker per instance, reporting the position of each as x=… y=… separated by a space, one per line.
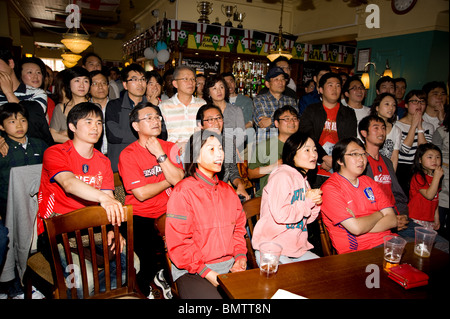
x=274 y=54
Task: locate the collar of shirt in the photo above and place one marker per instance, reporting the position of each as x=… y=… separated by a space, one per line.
x=202 y=178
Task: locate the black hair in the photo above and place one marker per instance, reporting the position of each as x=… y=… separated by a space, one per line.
x=419 y=93
x=364 y=124
x=201 y=111
x=279 y=59
x=154 y=74
x=12 y=109
x=88 y=55
x=134 y=114
x=320 y=68
x=286 y=108
x=382 y=80
x=427 y=87
x=417 y=167
x=193 y=147
x=290 y=148
x=132 y=67
x=97 y=72
x=346 y=86
x=327 y=76
x=70 y=74
x=210 y=82
x=34 y=60
x=81 y=111
x=6 y=54
x=339 y=150
x=224 y=74
x=396 y=80
x=377 y=102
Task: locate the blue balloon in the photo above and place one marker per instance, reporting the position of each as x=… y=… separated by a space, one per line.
x=161 y=46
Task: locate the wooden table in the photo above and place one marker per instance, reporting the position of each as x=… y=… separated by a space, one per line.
x=342 y=276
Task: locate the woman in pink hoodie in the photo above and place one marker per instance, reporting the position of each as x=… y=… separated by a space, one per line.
x=288 y=203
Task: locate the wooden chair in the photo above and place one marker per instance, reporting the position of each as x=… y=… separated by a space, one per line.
x=160 y=225
x=327 y=246
x=252 y=209
x=89 y=218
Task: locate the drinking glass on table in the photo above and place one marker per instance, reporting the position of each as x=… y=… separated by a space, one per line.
x=269 y=257
x=424 y=241
x=393 y=250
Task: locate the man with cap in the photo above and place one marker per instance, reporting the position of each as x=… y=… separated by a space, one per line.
x=264 y=105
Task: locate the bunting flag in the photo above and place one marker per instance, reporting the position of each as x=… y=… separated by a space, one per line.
x=224 y=35
x=175 y=29
x=231 y=40
x=270 y=42
x=288 y=45
x=307 y=51
x=246 y=41
x=201 y=30
x=182 y=37
x=324 y=51
x=298 y=49
x=215 y=39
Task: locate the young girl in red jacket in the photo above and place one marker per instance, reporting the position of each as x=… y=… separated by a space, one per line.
x=425 y=186
x=205 y=223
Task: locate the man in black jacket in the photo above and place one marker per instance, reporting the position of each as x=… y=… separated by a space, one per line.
x=327 y=123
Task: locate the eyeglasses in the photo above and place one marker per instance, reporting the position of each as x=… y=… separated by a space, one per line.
x=290 y=119
x=151 y=119
x=417 y=101
x=357 y=88
x=136 y=80
x=186 y=79
x=357 y=155
x=214 y=119
x=99 y=83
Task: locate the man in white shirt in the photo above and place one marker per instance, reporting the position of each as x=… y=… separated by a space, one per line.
x=436 y=96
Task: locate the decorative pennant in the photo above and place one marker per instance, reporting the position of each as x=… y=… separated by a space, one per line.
x=231 y=40
x=201 y=30
x=288 y=45
x=246 y=41
x=298 y=49
x=270 y=42
x=182 y=37
x=215 y=39
x=324 y=51
x=175 y=29
x=307 y=51
x=224 y=35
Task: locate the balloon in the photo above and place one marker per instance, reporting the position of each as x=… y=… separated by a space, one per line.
x=163 y=56
x=150 y=53
x=161 y=46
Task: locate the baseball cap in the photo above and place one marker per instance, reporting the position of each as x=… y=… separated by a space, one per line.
x=274 y=72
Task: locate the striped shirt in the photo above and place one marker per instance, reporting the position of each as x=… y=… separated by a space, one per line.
x=407 y=153
x=180 y=119
x=28 y=93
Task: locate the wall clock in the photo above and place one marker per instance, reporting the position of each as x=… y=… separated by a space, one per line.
x=402 y=6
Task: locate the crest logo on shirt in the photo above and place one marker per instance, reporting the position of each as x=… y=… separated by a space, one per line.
x=369 y=194
x=85 y=168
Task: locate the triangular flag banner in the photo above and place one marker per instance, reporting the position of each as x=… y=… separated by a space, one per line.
x=201 y=29
x=307 y=51
x=246 y=41
x=324 y=51
x=224 y=35
x=298 y=49
x=182 y=37
x=270 y=41
x=259 y=45
x=175 y=29
x=288 y=45
x=231 y=41
x=215 y=39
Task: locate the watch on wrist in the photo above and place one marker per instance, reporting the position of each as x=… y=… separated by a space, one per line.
x=161 y=158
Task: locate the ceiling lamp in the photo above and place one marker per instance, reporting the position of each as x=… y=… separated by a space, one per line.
x=274 y=54
x=68 y=64
x=75 y=41
x=71 y=57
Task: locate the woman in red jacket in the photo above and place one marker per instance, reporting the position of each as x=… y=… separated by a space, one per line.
x=205 y=223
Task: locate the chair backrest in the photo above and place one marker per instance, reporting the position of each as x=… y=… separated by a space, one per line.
x=76 y=224
x=119 y=190
x=252 y=209
x=160 y=225
x=327 y=246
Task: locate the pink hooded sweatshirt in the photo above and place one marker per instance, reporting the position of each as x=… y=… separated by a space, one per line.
x=285 y=212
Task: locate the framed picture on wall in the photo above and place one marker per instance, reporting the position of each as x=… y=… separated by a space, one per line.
x=363 y=58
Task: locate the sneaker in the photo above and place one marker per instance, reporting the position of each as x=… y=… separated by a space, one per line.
x=161 y=282
x=35 y=294
x=151 y=295
x=3 y=296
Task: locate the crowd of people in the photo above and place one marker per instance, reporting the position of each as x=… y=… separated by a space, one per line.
x=189 y=148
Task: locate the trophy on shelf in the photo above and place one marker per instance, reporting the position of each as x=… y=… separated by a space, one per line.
x=238 y=16
x=228 y=12
x=204 y=8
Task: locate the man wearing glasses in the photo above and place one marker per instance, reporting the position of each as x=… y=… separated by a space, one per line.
x=267 y=155
x=180 y=111
x=149 y=168
x=118 y=130
x=356 y=211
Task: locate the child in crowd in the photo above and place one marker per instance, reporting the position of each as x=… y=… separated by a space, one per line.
x=425 y=184
x=22 y=150
x=288 y=203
